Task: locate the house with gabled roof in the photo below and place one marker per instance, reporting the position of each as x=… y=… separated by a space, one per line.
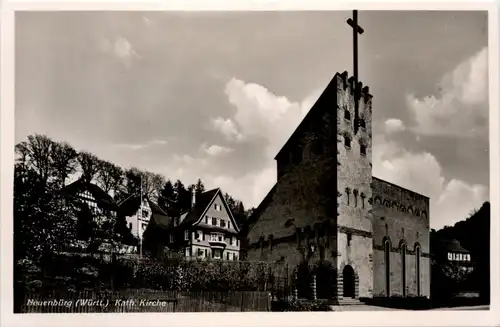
x=139 y=215
x=90 y=195
x=205 y=230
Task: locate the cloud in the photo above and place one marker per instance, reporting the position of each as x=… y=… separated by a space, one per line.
x=215 y=150
x=450 y=201
x=227 y=128
x=394 y=126
x=461 y=107
x=262 y=114
x=141 y=146
x=120 y=48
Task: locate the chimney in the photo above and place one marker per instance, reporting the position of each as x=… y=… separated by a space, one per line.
x=193 y=197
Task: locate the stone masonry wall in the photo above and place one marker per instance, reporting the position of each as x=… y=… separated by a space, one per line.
x=400 y=216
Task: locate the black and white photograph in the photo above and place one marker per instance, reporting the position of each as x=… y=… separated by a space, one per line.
x=182 y=161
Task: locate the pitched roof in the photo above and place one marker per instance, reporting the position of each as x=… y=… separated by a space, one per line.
x=453 y=246
x=313 y=112
x=102 y=198
x=130 y=206
x=202 y=202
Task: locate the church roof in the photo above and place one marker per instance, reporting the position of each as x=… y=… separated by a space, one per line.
x=102 y=198
x=314 y=111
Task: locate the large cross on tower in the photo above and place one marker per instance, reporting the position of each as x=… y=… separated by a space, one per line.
x=355 y=30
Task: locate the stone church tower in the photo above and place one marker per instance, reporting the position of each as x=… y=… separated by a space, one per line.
x=354 y=177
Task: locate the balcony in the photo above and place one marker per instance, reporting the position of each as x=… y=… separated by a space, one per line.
x=217 y=243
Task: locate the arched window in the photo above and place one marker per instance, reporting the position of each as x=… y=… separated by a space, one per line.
x=403 y=267
x=387 y=259
x=417 y=260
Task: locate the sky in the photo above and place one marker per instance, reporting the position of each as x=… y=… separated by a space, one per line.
x=215 y=95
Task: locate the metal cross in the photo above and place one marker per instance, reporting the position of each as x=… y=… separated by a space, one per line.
x=355 y=30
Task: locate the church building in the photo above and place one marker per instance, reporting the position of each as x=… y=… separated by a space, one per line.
x=329 y=220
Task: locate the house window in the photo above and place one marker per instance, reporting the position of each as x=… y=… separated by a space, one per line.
x=188 y=252
x=227 y=255
x=222 y=223
x=214 y=221
x=349 y=239
x=220 y=237
x=206 y=220
x=198 y=236
x=347 y=141
x=200 y=252
x=228 y=224
x=144 y=213
x=186 y=235
x=213 y=237
x=206 y=253
x=218 y=207
x=362 y=149
x=347 y=114
x=235 y=256
x=171 y=238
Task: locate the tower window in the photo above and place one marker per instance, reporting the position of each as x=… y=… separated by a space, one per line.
x=347 y=141
x=349 y=239
x=362 y=123
x=362 y=149
x=347 y=114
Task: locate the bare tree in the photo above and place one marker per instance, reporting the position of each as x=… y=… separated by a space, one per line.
x=64 y=161
x=90 y=165
x=152 y=184
x=37 y=154
x=110 y=177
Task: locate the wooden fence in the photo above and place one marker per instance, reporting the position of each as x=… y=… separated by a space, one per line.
x=145 y=301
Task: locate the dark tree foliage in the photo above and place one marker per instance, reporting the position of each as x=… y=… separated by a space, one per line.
x=474 y=235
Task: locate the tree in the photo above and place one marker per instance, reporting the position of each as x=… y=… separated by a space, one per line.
x=64 y=160
x=42 y=223
x=167 y=196
x=37 y=155
x=152 y=184
x=90 y=166
x=110 y=177
x=182 y=196
x=200 y=187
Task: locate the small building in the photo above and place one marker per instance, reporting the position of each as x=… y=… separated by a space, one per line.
x=138 y=215
x=451 y=251
x=91 y=196
x=89 y=200
x=205 y=230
